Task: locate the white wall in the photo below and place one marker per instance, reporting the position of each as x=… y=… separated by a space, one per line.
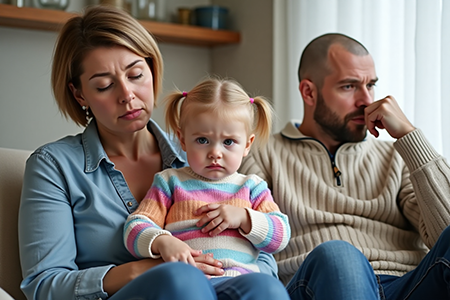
x=28 y=113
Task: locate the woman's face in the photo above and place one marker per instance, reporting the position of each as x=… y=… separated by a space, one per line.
x=117 y=85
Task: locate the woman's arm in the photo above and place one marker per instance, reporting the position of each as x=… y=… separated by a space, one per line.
x=48 y=250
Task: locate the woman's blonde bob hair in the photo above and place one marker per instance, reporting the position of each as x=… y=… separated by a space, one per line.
x=100 y=26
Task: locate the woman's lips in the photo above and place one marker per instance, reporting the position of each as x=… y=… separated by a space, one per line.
x=132 y=114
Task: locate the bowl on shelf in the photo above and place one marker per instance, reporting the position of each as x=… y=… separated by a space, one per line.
x=52 y=4
x=213 y=16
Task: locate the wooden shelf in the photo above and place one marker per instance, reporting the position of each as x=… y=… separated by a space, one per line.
x=46 y=19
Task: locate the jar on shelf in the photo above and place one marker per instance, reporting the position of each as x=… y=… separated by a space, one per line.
x=154 y=10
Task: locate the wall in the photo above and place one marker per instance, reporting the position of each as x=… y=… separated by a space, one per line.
x=29 y=116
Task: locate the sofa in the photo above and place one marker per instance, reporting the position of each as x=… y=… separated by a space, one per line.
x=12 y=166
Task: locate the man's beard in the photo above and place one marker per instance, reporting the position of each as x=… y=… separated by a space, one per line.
x=336 y=128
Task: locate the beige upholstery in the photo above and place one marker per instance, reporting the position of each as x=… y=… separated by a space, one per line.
x=12 y=165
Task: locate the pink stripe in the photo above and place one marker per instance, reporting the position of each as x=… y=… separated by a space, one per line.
x=195 y=234
x=278 y=229
x=157 y=195
x=133 y=235
x=264 y=196
x=208 y=196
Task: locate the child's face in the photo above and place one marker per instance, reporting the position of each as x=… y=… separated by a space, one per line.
x=214 y=146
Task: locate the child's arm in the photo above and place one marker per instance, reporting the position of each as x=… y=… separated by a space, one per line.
x=270 y=230
x=145 y=224
x=263 y=225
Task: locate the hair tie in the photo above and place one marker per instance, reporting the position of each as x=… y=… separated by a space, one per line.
x=184 y=94
x=252 y=100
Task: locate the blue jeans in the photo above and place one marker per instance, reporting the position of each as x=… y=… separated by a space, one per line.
x=182 y=281
x=337 y=270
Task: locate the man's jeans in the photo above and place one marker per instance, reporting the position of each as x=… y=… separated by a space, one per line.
x=337 y=270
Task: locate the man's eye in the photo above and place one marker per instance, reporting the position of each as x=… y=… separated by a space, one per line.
x=202 y=140
x=347 y=87
x=228 y=142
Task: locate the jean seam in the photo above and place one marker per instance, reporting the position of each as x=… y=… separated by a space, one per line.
x=300 y=284
x=438 y=261
x=380 y=288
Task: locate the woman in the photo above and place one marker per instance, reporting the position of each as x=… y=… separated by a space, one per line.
x=78 y=191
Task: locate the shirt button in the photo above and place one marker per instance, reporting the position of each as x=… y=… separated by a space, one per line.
x=130 y=204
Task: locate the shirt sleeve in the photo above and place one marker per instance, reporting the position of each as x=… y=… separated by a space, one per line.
x=270 y=228
x=47 y=239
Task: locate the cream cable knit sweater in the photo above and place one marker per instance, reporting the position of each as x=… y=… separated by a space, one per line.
x=391 y=201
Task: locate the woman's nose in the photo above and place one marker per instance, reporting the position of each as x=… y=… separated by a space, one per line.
x=126 y=95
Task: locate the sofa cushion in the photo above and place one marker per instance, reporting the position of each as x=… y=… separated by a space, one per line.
x=12 y=166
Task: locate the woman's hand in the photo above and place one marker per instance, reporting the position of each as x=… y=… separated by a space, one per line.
x=120 y=275
x=208 y=265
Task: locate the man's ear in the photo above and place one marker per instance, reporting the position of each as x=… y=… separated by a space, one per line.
x=309 y=92
x=250 y=141
x=77 y=95
x=181 y=139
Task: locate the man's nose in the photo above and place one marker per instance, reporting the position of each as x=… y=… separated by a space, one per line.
x=364 y=97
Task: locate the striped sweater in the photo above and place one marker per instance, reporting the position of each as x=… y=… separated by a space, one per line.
x=168 y=208
x=390 y=200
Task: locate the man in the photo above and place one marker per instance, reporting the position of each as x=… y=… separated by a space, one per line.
x=364 y=213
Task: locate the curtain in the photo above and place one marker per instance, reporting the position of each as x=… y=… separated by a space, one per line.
x=408 y=39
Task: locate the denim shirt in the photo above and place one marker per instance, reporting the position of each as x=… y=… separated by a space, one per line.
x=73 y=208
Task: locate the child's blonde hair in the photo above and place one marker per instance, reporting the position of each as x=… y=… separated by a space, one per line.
x=224 y=97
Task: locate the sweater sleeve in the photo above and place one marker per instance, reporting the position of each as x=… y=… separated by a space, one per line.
x=270 y=228
x=145 y=224
x=427 y=203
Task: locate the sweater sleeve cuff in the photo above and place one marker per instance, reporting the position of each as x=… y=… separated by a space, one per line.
x=258 y=232
x=145 y=247
x=415 y=150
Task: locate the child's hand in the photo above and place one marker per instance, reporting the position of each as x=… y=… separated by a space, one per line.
x=221 y=217
x=172 y=249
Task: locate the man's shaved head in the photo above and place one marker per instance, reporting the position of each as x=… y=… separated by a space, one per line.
x=314 y=61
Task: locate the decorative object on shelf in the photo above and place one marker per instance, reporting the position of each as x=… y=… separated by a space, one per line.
x=184 y=15
x=45 y=4
x=154 y=10
x=22 y=3
x=123 y=4
x=214 y=16
x=51 y=4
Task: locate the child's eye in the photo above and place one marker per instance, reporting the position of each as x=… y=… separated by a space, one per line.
x=202 y=140
x=228 y=142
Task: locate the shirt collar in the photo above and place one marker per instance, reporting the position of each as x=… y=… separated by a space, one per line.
x=171 y=153
x=292 y=132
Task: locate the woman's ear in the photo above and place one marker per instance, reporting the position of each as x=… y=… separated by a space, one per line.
x=77 y=95
x=250 y=141
x=181 y=139
x=308 y=90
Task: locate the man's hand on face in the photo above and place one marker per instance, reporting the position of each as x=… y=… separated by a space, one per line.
x=386 y=114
